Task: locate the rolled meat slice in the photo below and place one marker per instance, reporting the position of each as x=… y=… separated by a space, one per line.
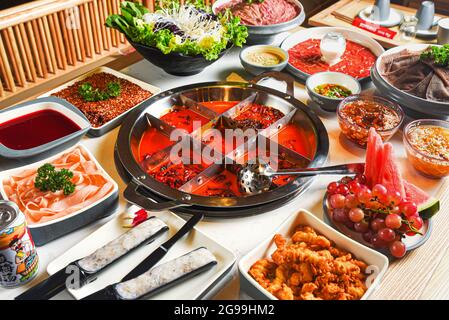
x=166 y=275
x=139 y=235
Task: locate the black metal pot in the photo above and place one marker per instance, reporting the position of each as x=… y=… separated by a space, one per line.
x=174 y=63
x=151 y=194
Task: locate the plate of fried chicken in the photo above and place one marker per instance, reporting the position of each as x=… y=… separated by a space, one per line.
x=308 y=260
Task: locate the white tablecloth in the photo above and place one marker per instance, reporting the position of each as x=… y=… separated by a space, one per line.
x=239 y=234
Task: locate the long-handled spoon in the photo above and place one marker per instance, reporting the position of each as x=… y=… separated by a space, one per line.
x=256 y=178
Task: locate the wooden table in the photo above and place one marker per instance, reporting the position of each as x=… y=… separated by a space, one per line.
x=339 y=15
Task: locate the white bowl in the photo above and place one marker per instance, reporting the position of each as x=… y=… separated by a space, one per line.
x=256 y=69
x=319 y=33
x=377 y=262
x=49 y=103
x=327 y=103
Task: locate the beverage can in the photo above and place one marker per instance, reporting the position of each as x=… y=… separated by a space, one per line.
x=19 y=261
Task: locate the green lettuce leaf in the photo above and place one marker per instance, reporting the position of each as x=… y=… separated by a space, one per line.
x=130 y=22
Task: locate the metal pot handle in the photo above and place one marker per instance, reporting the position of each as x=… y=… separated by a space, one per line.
x=290 y=81
x=133 y=196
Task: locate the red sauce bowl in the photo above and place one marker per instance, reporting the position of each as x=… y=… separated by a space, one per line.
x=357 y=114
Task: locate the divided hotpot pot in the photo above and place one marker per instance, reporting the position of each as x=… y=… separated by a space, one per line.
x=145 y=191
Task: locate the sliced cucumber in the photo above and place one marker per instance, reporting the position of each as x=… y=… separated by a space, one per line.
x=429 y=208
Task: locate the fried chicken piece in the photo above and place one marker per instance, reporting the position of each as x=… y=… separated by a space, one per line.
x=332 y=291
x=280 y=241
x=337 y=252
x=311 y=238
x=356 y=291
x=277 y=286
x=344 y=266
x=303 y=273
x=310 y=268
x=307 y=292
x=362 y=265
x=284 y=293
x=263 y=271
x=295 y=254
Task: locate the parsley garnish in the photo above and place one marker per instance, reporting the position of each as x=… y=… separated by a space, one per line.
x=439 y=55
x=48 y=179
x=91 y=94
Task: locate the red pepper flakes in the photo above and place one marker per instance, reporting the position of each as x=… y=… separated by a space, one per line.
x=100 y=112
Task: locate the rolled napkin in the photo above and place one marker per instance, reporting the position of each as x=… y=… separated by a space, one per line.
x=142 y=233
x=166 y=274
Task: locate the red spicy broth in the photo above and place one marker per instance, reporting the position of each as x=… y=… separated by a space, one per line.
x=35 y=129
x=294 y=138
x=219 y=106
x=152 y=140
x=223 y=184
x=183 y=119
x=257 y=116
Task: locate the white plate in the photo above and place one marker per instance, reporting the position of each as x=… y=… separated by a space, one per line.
x=319 y=33
x=394 y=19
x=101 y=130
x=193 y=288
x=378 y=261
x=38 y=164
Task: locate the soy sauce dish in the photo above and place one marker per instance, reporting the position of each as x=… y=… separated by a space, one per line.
x=328 y=89
x=34 y=127
x=262 y=58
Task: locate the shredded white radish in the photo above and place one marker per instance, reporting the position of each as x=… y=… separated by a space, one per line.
x=194 y=24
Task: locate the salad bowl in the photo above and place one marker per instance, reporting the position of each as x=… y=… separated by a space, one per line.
x=181 y=39
x=175 y=63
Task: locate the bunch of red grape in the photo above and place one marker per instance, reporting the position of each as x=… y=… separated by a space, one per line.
x=380 y=215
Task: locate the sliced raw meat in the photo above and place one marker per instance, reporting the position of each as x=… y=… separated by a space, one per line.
x=41 y=206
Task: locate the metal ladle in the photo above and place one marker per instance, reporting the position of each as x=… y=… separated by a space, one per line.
x=256 y=178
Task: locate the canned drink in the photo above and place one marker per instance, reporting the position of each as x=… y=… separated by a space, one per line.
x=18 y=258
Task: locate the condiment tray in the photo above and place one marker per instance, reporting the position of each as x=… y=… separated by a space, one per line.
x=194 y=288
x=99 y=131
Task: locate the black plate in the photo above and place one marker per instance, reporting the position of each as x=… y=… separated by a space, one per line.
x=136 y=123
x=212 y=212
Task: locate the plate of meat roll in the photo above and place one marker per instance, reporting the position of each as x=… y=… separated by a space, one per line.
x=417 y=77
x=201 y=263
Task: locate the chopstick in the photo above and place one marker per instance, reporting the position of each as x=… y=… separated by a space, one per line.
x=342 y=17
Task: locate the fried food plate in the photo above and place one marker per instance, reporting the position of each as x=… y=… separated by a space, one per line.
x=197 y=287
x=377 y=261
